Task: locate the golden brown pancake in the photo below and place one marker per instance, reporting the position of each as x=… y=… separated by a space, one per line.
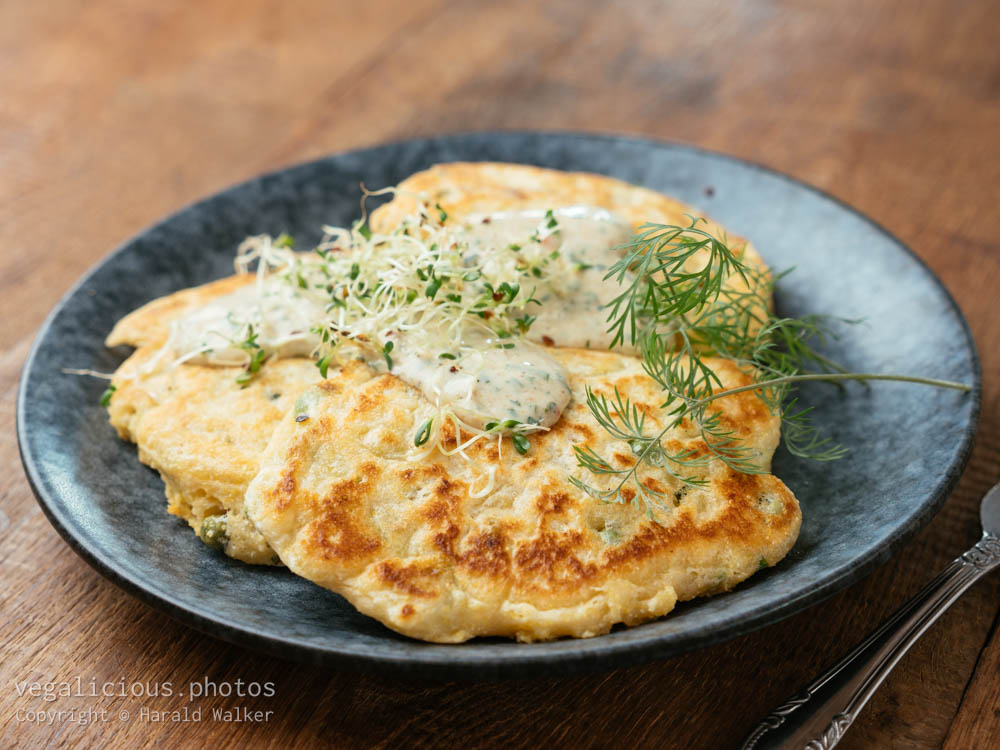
x=468 y=188
x=465 y=188
x=204 y=433
x=197 y=426
x=347 y=500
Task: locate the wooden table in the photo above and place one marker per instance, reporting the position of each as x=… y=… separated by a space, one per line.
x=114 y=113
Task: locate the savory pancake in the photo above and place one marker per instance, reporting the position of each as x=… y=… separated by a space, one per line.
x=464 y=188
x=196 y=425
x=204 y=433
x=348 y=501
x=471 y=188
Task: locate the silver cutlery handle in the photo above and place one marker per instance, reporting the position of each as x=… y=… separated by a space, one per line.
x=817 y=717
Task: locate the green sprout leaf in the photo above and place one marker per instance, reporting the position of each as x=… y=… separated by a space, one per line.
x=106 y=396
x=521 y=443
x=424 y=433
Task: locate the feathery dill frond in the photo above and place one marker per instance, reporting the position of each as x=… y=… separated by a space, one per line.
x=688 y=298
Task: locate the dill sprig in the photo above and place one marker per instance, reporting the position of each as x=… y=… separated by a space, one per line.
x=688 y=298
x=660 y=275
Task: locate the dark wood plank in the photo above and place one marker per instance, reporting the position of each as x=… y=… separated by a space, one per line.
x=981 y=702
x=115 y=113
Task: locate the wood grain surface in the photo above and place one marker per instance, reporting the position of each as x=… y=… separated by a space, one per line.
x=113 y=114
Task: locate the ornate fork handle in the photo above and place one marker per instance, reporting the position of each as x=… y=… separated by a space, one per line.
x=817 y=717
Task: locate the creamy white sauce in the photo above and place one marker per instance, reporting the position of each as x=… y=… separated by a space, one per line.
x=491 y=380
x=489 y=383
x=279 y=313
x=591 y=239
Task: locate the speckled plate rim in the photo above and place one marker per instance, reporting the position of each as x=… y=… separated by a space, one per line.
x=561 y=657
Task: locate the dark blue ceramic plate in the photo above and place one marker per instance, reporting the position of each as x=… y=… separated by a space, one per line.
x=908 y=443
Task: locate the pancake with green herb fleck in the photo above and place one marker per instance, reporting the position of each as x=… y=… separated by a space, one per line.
x=204 y=433
x=445 y=548
x=466 y=188
x=463 y=189
x=196 y=425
